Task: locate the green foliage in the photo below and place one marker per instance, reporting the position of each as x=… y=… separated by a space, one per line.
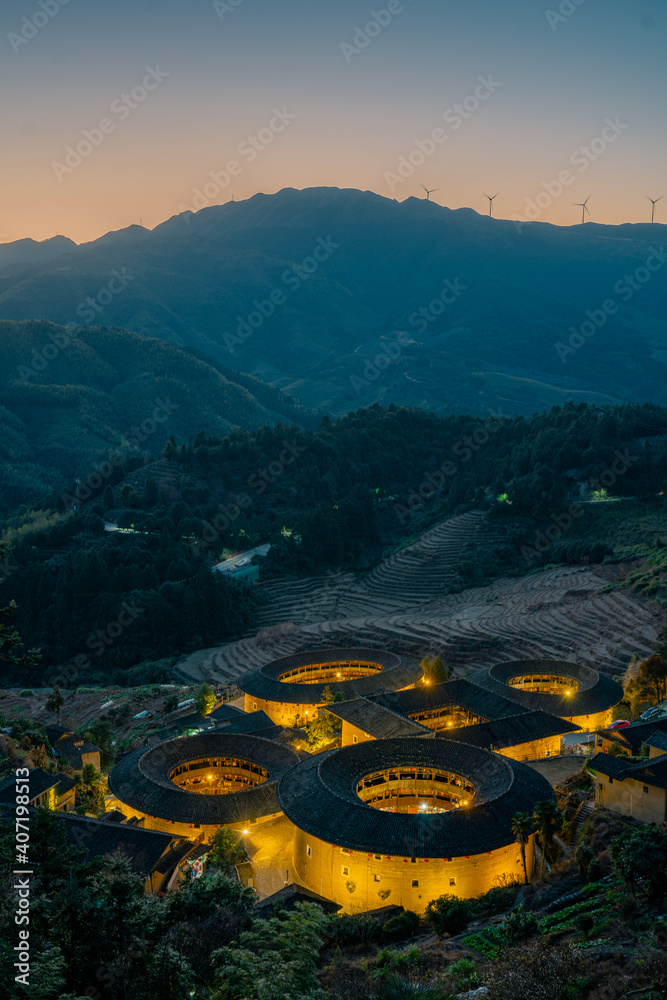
x=522 y=828
x=403 y=925
x=640 y=858
x=275 y=959
x=449 y=914
x=55 y=702
x=170 y=703
x=548 y=821
x=463 y=974
x=100 y=734
x=205 y=699
x=225 y=849
x=519 y=926
x=89 y=791
x=434 y=669
x=394 y=988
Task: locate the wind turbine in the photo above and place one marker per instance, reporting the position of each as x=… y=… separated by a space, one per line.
x=492 y=198
x=654 y=202
x=583 y=205
x=429 y=193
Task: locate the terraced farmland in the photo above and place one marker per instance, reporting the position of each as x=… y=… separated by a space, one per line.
x=403 y=605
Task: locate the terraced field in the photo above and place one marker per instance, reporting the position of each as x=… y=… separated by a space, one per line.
x=403 y=605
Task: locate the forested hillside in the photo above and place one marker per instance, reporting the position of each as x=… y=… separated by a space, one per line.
x=71 y=396
x=340 y=495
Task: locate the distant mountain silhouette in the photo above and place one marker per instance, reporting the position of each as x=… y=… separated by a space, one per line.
x=321 y=291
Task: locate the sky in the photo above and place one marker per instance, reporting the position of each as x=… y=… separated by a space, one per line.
x=117 y=112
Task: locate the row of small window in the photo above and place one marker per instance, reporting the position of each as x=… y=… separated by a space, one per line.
x=345 y=872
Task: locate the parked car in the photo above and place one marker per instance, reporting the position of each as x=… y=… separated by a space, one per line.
x=619 y=724
x=652 y=713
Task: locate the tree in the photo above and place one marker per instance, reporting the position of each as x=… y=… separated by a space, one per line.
x=89 y=791
x=225 y=849
x=434 y=669
x=653 y=676
x=548 y=821
x=55 y=702
x=205 y=699
x=11 y=644
x=522 y=827
x=640 y=858
x=170 y=703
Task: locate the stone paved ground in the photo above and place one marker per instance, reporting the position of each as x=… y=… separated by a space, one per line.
x=557 y=769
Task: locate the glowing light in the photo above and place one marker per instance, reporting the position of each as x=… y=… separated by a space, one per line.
x=422 y=805
x=244 y=832
x=465 y=802
x=567 y=692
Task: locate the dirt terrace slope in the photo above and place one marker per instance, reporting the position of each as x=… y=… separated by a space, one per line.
x=402 y=604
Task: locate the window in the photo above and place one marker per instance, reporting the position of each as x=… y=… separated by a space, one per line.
x=452 y=881
x=645 y=789
x=309 y=852
x=376 y=878
x=344 y=870
x=415 y=883
x=611 y=781
x=413 y=861
x=254 y=704
x=378 y=857
x=354 y=739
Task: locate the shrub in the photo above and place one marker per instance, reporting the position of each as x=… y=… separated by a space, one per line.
x=401 y=926
x=463 y=975
x=449 y=914
x=583 y=857
x=520 y=926
x=27 y=693
x=640 y=858
x=585 y=922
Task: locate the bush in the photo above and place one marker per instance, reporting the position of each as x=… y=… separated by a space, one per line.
x=463 y=975
x=401 y=926
x=27 y=693
x=356 y=928
x=584 y=855
x=520 y=926
x=449 y=914
x=640 y=858
x=585 y=922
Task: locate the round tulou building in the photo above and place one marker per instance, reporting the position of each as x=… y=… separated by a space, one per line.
x=291 y=689
x=571 y=691
x=405 y=820
x=196 y=784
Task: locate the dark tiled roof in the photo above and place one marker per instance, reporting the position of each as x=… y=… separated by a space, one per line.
x=633 y=736
x=376 y=720
x=650 y=772
x=658 y=741
x=292 y=894
x=141 y=779
x=250 y=722
x=609 y=765
x=144 y=848
x=426 y=698
x=511 y=731
x=40 y=781
x=264 y=683
x=69 y=750
x=194 y=721
x=226 y=713
x=596 y=693
x=55 y=733
x=320 y=797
